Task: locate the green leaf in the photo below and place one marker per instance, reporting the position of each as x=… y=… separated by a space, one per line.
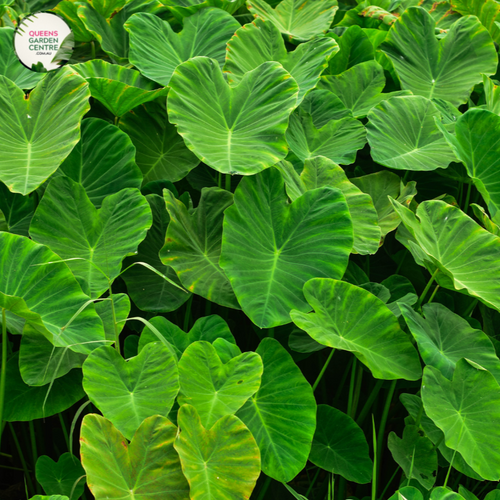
x=284 y=396
x=445 y=69
x=103 y=162
x=156 y=49
x=270 y=248
x=119 y=89
x=476 y=146
x=444 y=338
x=444 y=493
x=184 y=8
x=360 y=87
x=127 y=392
x=193 y=244
x=11 y=67
x=116 y=469
x=60 y=477
x=24 y=403
x=68 y=10
x=160 y=151
x=67 y=222
x=487 y=11
x=149 y=291
x=407 y=493
x=260 y=41
x=17 y=210
x=380 y=186
x=208 y=328
x=319 y=172
x=104 y=308
x=299 y=20
x=38 y=133
x=213 y=388
x=323 y=106
x=225 y=127
x=482 y=216
x=491 y=95
x=45 y=295
x=51 y=497
x=403 y=135
x=415 y=454
x=443 y=237
x=355 y=48
x=338 y=140
x=340 y=446
x=352 y=319
x=465 y=409
x=221 y=462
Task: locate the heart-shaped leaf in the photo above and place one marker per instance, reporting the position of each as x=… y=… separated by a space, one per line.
x=284 y=396
x=67 y=222
x=116 y=469
x=119 y=89
x=466 y=410
x=115 y=309
x=60 y=477
x=11 y=67
x=24 y=402
x=403 y=135
x=221 y=462
x=407 y=493
x=299 y=20
x=193 y=244
x=487 y=11
x=17 y=210
x=127 y=392
x=213 y=388
x=148 y=290
x=68 y=10
x=160 y=151
x=45 y=295
x=443 y=338
x=260 y=41
x=185 y=8
x=270 y=247
x=475 y=145
x=415 y=454
x=38 y=133
x=103 y=162
x=208 y=328
x=226 y=127
x=156 y=49
x=360 y=87
x=445 y=69
x=350 y=318
x=442 y=236
x=340 y=446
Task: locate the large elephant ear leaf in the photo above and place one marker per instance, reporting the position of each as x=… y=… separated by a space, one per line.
x=298 y=20
x=403 y=135
x=97 y=240
x=319 y=172
x=487 y=11
x=103 y=162
x=475 y=145
x=340 y=447
x=284 y=396
x=270 y=248
x=261 y=41
x=193 y=245
x=52 y=303
x=226 y=453
x=466 y=409
x=120 y=89
x=360 y=87
x=116 y=469
x=443 y=338
x=38 y=133
x=156 y=49
x=445 y=69
x=11 y=67
x=185 y=8
x=350 y=318
x=443 y=238
x=225 y=127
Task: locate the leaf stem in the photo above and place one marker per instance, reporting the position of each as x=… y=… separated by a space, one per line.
x=467 y=198
x=228 y=182
x=351 y=387
x=187 y=314
x=470 y=309
x=312 y=482
x=115 y=325
x=374 y=471
x=371 y=398
x=265 y=486
x=3 y=373
x=321 y=373
x=63 y=427
x=433 y=294
x=34 y=451
x=92 y=49
x=427 y=288
x=389 y=483
x=21 y=458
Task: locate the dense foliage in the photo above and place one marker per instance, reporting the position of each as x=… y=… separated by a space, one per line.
x=252 y=250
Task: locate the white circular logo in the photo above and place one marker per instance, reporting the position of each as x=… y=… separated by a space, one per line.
x=43 y=41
